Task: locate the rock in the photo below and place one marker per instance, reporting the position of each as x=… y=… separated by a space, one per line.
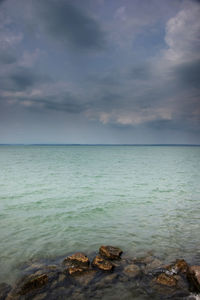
x=54 y=284
x=33 y=282
x=60 y=293
x=144 y=259
x=87 y=277
x=109 y=278
x=102 y=263
x=105 y=282
x=131 y=270
x=153 y=265
x=110 y=252
x=78 y=259
x=4 y=290
x=40 y=296
x=182 y=283
x=180 y=266
x=77 y=263
x=76 y=270
x=61 y=277
x=32 y=267
x=167 y=280
x=194 y=277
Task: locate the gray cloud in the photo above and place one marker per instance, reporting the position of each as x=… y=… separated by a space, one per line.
x=188 y=74
x=69 y=25
x=21 y=78
x=120 y=88
x=7 y=58
x=141 y=72
x=66 y=103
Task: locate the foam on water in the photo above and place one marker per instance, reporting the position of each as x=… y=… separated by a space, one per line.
x=55 y=200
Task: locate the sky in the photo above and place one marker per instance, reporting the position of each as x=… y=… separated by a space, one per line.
x=100 y=71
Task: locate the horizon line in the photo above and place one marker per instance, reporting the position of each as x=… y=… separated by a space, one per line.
x=80 y=144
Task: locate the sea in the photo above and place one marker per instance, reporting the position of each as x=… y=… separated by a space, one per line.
x=60 y=199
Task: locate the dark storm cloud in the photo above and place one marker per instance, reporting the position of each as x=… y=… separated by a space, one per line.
x=66 y=103
x=70 y=25
x=188 y=74
x=122 y=87
x=21 y=78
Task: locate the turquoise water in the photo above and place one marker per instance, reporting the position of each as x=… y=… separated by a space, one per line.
x=58 y=199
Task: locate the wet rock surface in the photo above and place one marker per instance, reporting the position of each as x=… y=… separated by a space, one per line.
x=132 y=270
x=76 y=264
x=110 y=252
x=78 y=259
x=180 y=266
x=102 y=263
x=194 y=277
x=105 y=278
x=168 y=280
x=33 y=282
x=4 y=290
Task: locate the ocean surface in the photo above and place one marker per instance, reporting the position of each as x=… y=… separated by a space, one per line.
x=55 y=200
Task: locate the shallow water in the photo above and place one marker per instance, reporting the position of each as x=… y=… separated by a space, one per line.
x=58 y=199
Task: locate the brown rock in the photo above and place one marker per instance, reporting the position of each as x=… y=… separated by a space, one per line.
x=77 y=259
x=180 y=266
x=102 y=263
x=76 y=270
x=110 y=252
x=194 y=276
x=33 y=282
x=131 y=270
x=167 y=280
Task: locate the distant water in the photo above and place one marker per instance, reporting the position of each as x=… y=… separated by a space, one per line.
x=58 y=199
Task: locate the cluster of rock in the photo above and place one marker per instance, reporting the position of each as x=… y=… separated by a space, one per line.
x=78 y=278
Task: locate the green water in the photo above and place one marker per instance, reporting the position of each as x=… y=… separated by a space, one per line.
x=58 y=199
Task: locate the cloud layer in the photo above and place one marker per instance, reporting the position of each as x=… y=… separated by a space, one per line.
x=103 y=68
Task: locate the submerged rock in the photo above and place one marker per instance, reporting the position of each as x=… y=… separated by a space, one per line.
x=194 y=277
x=102 y=263
x=167 y=280
x=77 y=259
x=76 y=279
x=4 y=290
x=84 y=279
x=40 y=296
x=32 y=282
x=132 y=270
x=110 y=252
x=153 y=265
x=144 y=259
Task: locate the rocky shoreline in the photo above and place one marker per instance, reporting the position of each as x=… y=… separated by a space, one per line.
x=108 y=275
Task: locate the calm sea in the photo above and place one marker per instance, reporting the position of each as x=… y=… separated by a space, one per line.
x=58 y=199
